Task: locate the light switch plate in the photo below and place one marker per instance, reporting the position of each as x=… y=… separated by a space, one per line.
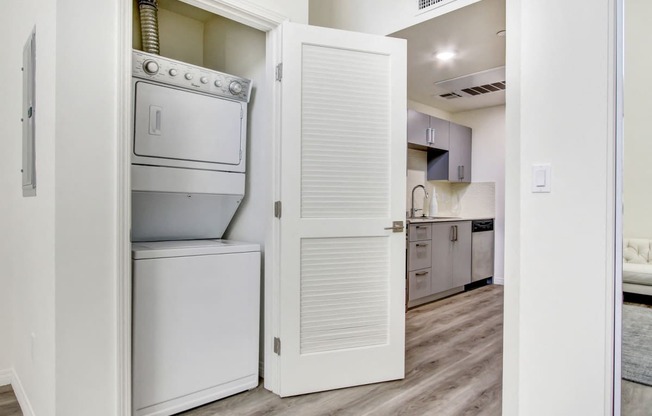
x=541 y=178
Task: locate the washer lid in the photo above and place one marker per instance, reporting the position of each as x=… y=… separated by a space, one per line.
x=163 y=249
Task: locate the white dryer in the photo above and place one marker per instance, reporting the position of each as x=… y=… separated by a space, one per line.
x=188 y=149
x=195 y=323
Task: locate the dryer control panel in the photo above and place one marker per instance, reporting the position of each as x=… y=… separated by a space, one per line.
x=168 y=71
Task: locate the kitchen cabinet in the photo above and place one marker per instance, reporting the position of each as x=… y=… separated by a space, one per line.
x=441 y=265
x=426 y=132
x=419 y=261
x=459 y=165
x=454 y=165
x=451 y=255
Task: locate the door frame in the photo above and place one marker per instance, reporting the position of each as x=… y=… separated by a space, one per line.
x=241 y=11
x=619 y=148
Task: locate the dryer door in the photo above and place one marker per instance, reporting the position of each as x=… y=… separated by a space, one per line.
x=184 y=125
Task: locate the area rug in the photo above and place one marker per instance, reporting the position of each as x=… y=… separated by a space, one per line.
x=637 y=344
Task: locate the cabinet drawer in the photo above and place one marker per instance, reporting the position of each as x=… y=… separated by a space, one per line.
x=419 y=284
x=420 y=253
x=419 y=232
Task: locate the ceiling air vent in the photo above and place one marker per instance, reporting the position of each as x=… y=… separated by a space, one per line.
x=484 y=89
x=425 y=4
x=450 y=95
x=479 y=83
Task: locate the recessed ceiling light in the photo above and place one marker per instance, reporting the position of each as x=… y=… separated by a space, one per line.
x=501 y=33
x=445 y=55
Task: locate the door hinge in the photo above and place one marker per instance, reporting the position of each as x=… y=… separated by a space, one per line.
x=277 y=209
x=277 y=346
x=279 y=71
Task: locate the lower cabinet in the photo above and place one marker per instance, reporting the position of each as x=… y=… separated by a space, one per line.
x=419 y=284
x=451 y=255
x=441 y=263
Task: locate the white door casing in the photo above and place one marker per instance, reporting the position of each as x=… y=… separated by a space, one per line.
x=342 y=183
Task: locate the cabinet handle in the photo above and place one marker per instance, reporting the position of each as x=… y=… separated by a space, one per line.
x=421 y=245
x=462 y=178
x=418 y=227
x=459 y=172
x=433 y=133
x=421 y=274
x=453 y=233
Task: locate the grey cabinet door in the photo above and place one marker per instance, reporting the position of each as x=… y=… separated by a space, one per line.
x=419 y=284
x=440 y=133
x=419 y=255
x=417 y=129
x=461 y=273
x=442 y=257
x=419 y=232
x=459 y=164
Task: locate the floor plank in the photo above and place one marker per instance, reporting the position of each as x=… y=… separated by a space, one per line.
x=8 y=403
x=636 y=398
x=453 y=367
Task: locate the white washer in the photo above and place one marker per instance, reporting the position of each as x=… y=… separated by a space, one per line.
x=195 y=323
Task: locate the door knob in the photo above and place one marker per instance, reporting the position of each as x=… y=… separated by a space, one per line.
x=397 y=227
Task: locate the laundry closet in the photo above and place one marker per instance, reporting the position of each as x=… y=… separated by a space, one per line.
x=199 y=162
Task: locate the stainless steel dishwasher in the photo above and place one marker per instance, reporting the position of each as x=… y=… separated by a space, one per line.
x=482 y=249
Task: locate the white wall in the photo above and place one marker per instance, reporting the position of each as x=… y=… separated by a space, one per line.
x=638 y=101
x=295 y=10
x=558 y=308
x=488 y=165
x=380 y=17
x=87 y=110
x=27 y=264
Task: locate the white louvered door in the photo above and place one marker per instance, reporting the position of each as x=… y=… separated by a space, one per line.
x=343 y=161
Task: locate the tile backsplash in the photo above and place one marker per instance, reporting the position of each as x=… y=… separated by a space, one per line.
x=477 y=199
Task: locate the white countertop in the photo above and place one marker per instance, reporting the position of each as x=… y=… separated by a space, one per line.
x=419 y=220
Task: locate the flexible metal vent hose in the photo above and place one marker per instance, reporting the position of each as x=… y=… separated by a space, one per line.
x=148 y=10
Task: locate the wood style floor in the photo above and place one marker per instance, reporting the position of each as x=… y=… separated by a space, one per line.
x=636 y=398
x=453 y=367
x=8 y=403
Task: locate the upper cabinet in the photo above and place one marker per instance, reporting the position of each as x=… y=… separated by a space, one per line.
x=426 y=132
x=448 y=145
x=453 y=165
x=459 y=154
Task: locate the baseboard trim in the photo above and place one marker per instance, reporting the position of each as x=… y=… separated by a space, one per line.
x=499 y=280
x=21 y=396
x=5 y=376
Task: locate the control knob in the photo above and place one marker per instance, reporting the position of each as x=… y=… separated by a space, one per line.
x=218 y=83
x=173 y=72
x=188 y=76
x=204 y=80
x=150 y=67
x=235 y=87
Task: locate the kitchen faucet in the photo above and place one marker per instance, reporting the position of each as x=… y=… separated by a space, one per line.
x=413 y=211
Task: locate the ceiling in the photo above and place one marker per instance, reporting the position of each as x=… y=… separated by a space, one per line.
x=471 y=32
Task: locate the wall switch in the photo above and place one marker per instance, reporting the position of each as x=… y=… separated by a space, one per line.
x=541 y=178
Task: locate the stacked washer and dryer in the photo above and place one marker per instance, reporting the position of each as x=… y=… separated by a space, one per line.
x=195 y=296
